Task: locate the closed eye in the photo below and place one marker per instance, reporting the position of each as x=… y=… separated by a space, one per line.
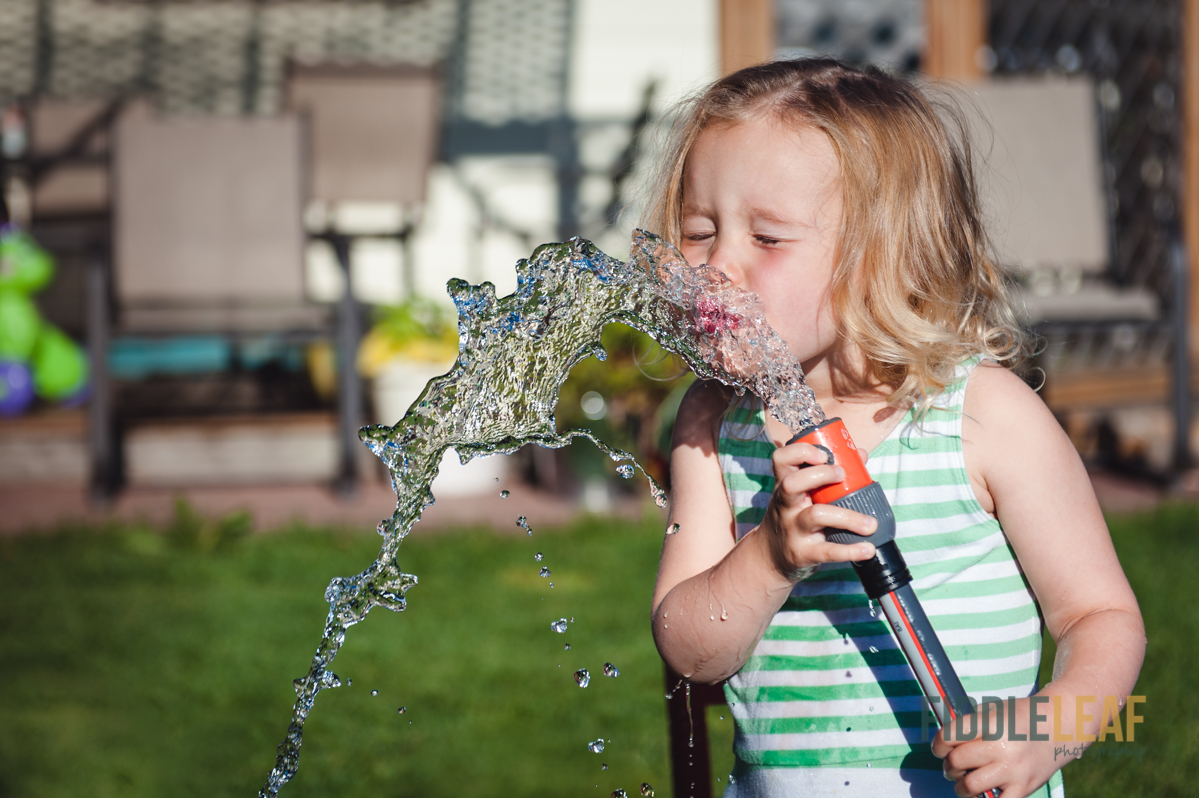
x=767 y=240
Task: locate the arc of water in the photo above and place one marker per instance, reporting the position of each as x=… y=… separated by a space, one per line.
x=514 y=353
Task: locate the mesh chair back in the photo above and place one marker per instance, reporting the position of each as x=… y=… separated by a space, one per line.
x=373 y=130
x=208 y=221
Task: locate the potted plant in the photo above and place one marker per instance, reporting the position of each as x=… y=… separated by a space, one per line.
x=408 y=345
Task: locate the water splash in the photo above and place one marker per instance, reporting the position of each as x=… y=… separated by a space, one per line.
x=596 y=746
x=583 y=677
x=559 y=625
x=514 y=353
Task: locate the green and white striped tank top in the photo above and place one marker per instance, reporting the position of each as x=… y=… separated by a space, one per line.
x=826 y=704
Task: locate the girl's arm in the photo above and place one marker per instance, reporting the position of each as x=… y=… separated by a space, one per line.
x=714 y=597
x=1027 y=472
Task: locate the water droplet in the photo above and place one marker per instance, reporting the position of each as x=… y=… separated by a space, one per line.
x=731 y=779
x=559 y=625
x=604 y=766
x=544 y=572
x=847 y=784
x=497 y=479
x=872 y=709
x=401 y=710
x=537 y=556
x=596 y=746
x=869 y=765
x=572 y=620
x=722 y=717
x=873 y=650
x=551 y=584
x=673 y=529
x=566 y=647
x=583 y=677
x=611 y=670
x=647 y=790
x=349 y=682
x=711 y=617
x=619 y=793
x=848 y=675
x=374 y=693
x=505 y=494
x=724 y=614
x=625 y=470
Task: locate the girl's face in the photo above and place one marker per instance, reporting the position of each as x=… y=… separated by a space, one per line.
x=762 y=203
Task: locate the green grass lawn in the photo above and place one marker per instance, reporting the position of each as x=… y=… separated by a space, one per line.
x=140 y=663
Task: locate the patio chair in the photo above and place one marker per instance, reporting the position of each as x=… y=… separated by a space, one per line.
x=373 y=139
x=207 y=240
x=1106 y=345
x=1044 y=195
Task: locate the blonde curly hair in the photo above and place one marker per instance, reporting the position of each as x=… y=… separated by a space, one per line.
x=915 y=286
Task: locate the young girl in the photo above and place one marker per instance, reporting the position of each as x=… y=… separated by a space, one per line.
x=841 y=198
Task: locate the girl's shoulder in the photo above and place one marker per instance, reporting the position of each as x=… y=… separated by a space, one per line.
x=1008 y=432
x=996 y=396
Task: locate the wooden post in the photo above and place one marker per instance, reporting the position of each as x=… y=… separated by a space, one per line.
x=1190 y=152
x=746 y=33
x=957 y=29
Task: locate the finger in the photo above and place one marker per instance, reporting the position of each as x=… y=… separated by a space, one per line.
x=822 y=551
x=966 y=758
x=941 y=747
x=799 y=454
x=865 y=455
x=806 y=480
x=828 y=516
x=988 y=777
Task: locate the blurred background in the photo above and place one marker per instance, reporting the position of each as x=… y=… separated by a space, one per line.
x=230 y=225
x=233 y=221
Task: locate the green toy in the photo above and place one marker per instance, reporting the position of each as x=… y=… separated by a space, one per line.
x=59 y=366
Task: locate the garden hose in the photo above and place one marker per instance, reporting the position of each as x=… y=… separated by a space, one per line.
x=885 y=576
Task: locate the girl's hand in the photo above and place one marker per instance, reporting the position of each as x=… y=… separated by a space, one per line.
x=1014 y=766
x=793 y=524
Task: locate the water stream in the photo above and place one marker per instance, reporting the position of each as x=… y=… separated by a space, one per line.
x=514 y=353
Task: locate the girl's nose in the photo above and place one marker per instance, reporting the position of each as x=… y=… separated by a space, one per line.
x=724 y=260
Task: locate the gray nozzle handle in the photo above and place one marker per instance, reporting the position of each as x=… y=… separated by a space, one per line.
x=869 y=500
